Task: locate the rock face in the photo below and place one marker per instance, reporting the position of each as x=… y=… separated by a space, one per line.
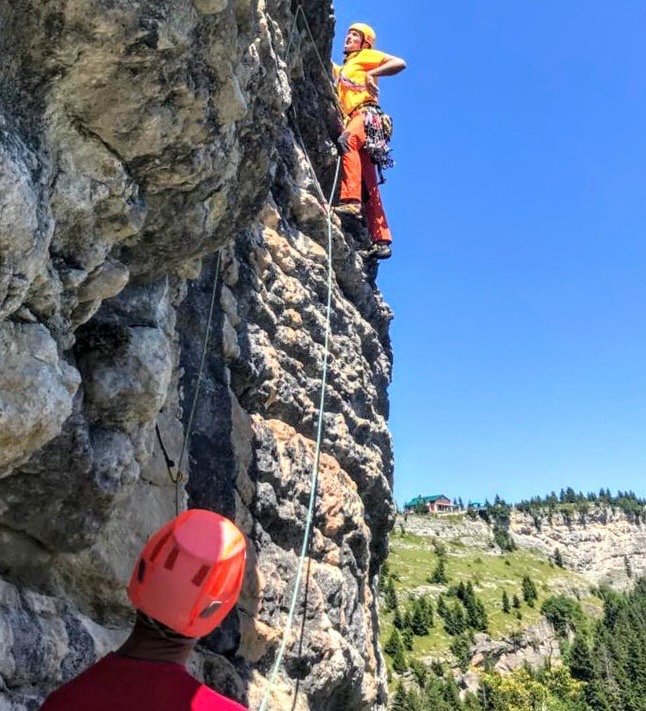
x=533 y=647
x=136 y=141
x=474 y=533
x=603 y=545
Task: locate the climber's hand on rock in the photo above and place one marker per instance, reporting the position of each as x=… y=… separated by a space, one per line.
x=343 y=142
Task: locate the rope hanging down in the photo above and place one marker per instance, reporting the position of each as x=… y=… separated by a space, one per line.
x=315 y=466
x=177 y=477
x=326 y=69
x=200 y=372
x=321 y=410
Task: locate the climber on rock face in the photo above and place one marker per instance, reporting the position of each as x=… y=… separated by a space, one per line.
x=364 y=141
x=186 y=580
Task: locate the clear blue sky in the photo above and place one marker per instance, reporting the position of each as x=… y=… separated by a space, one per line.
x=518 y=280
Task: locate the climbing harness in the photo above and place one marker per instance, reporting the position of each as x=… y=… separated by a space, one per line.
x=321 y=410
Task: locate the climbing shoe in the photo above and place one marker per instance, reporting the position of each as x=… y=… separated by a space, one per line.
x=380 y=250
x=349 y=209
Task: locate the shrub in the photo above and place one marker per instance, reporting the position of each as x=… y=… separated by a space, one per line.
x=563 y=612
x=461 y=648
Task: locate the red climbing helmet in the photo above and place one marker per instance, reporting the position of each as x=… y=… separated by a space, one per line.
x=190 y=572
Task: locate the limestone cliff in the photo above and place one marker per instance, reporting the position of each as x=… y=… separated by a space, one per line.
x=602 y=546
x=136 y=140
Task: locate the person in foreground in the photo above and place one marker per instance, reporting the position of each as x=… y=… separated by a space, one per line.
x=186 y=580
x=364 y=142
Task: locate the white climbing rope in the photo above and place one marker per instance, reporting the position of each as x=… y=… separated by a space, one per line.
x=317 y=456
x=321 y=410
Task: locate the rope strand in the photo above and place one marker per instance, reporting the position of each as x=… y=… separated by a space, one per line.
x=315 y=466
x=177 y=477
x=321 y=410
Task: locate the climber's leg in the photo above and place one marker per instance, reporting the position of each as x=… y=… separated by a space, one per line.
x=374 y=209
x=351 y=162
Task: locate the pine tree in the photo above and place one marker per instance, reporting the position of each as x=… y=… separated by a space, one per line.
x=530 y=594
x=482 y=619
x=505 y=603
x=460 y=591
x=442 y=609
x=390 y=595
x=408 y=619
x=395 y=649
x=439 y=575
x=434 y=695
x=398 y=620
x=428 y=607
x=407 y=639
x=400 y=698
x=420 y=672
x=558 y=558
x=452 y=693
x=394 y=643
x=515 y=601
x=455 y=621
x=437 y=668
x=461 y=648
x=581 y=662
x=399 y=661
x=418 y=622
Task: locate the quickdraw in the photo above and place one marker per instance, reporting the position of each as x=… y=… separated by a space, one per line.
x=379 y=131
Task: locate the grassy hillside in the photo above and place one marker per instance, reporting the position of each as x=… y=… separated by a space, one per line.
x=414 y=558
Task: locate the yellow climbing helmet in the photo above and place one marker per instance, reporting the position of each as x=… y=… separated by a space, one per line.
x=369 y=35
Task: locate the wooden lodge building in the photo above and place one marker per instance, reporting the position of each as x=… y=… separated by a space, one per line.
x=437 y=503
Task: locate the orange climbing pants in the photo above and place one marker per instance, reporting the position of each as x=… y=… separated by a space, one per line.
x=359 y=181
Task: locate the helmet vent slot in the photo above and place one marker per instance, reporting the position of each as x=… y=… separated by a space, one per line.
x=172 y=557
x=160 y=544
x=201 y=575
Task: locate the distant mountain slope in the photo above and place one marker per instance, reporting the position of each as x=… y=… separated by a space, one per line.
x=472 y=556
x=446 y=577
x=597 y=545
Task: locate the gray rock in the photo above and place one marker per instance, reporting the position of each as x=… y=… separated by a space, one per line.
x=24 y=237
x=36 y=391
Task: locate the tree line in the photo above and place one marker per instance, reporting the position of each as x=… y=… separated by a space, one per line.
x=603 y=666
